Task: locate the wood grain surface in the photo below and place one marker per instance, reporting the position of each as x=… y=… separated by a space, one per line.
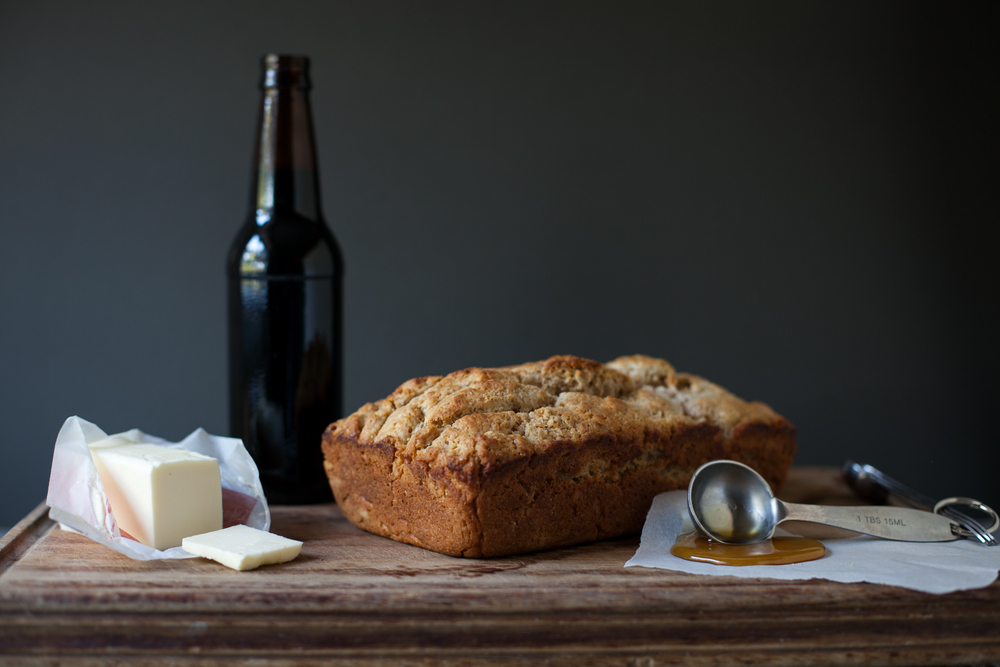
x=365 y=600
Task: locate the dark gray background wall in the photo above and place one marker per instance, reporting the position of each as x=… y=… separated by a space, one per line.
x=795 y=200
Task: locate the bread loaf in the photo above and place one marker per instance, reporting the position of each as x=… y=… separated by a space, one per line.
x=499 y=461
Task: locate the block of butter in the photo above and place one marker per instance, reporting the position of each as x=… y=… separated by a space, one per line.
x=243 y=547
x=159 y=495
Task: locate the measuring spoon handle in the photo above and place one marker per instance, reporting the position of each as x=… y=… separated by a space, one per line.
x=891 y=523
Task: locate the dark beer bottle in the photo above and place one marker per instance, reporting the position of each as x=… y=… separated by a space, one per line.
x=285 y=272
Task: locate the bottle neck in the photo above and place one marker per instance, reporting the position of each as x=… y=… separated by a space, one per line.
x=285 y=178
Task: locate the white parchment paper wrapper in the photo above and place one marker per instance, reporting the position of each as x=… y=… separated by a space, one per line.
x=76 y=497
x=931 y=567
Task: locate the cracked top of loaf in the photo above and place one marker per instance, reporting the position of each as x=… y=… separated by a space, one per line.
x=484 y=417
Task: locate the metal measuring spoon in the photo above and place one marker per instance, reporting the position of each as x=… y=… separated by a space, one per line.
x=875 y=486
x=731 y=503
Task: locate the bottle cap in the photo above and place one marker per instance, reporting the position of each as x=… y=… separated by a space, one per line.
x=281 y=71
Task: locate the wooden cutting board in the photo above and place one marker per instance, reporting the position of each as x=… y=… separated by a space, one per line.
x=365 y=600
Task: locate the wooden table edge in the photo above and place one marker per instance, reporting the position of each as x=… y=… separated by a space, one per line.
x=24 y=535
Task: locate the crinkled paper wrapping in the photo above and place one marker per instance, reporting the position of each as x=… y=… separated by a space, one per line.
x=931 y=567
x=76 y=497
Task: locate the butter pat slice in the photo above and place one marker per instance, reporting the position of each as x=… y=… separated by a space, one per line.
x=160 y=495
x=243 y=547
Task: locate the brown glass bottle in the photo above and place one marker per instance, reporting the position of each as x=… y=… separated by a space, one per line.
x=285 y=314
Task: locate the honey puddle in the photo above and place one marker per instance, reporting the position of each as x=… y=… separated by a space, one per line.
x=779 y=550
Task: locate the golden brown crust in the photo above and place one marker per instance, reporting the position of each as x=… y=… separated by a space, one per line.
x=491 y=462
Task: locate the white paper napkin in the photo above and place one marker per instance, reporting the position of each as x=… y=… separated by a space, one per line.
x=931 y=567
